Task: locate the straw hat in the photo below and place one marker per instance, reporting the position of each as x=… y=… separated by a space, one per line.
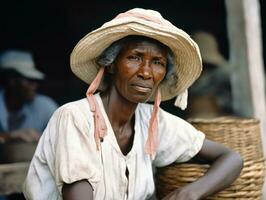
x=21 y=62
x=149 y=23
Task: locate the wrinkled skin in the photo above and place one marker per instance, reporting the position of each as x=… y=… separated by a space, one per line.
x=138 y=71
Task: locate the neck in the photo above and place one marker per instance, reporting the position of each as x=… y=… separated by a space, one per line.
x=119 y=110
x=13 y=103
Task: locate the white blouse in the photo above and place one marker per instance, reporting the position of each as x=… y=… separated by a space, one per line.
x=67 y=153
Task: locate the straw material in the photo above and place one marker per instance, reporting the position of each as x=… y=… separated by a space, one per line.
x=242 y=135
x=149 y=23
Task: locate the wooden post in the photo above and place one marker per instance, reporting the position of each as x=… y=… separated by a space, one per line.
x=247 y=77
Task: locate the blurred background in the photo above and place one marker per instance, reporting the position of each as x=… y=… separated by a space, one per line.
x=50 y=29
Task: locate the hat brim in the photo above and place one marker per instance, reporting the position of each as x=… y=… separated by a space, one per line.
x=31 y=74
x=187 y=59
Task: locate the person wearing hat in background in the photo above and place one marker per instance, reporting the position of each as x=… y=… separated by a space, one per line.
x=211 y=94
x=24 y=113
x=105 y=145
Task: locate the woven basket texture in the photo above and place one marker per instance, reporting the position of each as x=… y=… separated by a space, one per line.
x=241 y=135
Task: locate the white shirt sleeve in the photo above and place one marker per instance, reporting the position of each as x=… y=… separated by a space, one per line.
x=179 y=141
x=76 y=156
x=66 y=153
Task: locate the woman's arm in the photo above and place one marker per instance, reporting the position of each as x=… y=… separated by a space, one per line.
x=80 y=190
x=225 y=167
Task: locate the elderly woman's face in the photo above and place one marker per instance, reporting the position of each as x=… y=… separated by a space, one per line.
x=139 y=69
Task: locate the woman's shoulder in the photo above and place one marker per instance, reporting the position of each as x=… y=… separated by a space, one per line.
x=146 y=108
x=81 y=103
x=166 y=119
x=76 y=109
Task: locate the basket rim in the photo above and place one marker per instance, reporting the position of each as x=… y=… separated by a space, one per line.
x=225 y=120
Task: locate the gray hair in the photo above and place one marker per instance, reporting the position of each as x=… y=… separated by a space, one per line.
x=110 y=54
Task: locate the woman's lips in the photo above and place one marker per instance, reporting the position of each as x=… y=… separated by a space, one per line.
x=141 y=88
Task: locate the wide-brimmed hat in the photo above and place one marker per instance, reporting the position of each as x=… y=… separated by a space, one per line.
x=149 y=23
x=21 y=62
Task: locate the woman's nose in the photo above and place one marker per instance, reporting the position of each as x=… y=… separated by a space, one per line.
x=145 y=71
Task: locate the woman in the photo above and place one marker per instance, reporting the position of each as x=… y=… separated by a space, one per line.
x=104 y=146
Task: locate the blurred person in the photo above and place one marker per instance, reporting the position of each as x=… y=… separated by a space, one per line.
x=23 y=112
x=211 y=96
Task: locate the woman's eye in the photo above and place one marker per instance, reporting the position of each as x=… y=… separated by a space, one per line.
x=158 y=62
x=133 y=57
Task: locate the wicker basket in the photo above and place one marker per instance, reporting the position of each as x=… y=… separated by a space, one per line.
x=242 y=135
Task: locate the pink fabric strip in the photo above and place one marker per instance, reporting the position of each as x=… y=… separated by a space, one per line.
x=100 y=128
x=152 y=141
x=140 y=16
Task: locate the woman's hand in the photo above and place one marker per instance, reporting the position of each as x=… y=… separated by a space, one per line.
x=182 y=194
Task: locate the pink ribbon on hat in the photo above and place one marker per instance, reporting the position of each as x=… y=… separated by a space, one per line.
x=100 y=128
x=140 y=16
x=153 y=129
